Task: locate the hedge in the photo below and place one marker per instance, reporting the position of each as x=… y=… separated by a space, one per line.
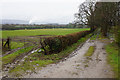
x=59 y=43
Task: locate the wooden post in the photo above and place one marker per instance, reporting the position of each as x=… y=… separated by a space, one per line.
x=2 y=42
x=24 y=43
x=7 y=43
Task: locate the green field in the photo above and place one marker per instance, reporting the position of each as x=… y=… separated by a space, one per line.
x=34 y=32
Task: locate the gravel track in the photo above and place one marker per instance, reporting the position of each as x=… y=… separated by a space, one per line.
x=79 y=66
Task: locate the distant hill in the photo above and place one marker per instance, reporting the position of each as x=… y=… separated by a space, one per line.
x=10 y=21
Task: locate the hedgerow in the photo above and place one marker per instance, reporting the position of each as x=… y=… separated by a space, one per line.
x=59 y=43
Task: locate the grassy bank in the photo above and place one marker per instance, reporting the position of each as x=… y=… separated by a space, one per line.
x=112 y=50
x=37 y=60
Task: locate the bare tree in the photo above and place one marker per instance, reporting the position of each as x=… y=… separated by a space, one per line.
x=85 y=15
x=100 y=14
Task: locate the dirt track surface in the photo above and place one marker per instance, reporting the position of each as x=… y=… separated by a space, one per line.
x=79 y=66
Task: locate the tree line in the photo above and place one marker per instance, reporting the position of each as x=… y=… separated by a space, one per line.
x=35 y=26
x=103 y=15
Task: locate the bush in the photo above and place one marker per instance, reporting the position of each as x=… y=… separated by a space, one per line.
x=59 y=43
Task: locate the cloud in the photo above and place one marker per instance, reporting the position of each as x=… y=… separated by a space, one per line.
x=61 y=11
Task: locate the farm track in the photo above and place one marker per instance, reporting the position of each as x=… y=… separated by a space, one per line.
x=14 y=50
x=73 y=53
x=16 y=62
x=24 y=40
x=76 y=65
x=79 y=66
x=27 y=44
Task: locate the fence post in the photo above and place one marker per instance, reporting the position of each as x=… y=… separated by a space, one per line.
x=2 y=42
x=7 y=43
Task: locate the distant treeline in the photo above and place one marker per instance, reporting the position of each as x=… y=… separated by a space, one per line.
x=24 y=26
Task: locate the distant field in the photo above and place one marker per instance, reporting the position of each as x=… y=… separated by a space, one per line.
x=34 y=32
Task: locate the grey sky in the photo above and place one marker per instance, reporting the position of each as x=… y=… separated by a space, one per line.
x=51 y=11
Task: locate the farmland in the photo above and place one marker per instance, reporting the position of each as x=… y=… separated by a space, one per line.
x=35 y=32
x=50 y=40
x=25 y=46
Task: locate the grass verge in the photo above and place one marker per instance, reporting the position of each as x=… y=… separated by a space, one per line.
x=90 y=51
x=112 y=58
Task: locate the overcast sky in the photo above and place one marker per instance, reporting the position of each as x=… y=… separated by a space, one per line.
x=46 y=11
